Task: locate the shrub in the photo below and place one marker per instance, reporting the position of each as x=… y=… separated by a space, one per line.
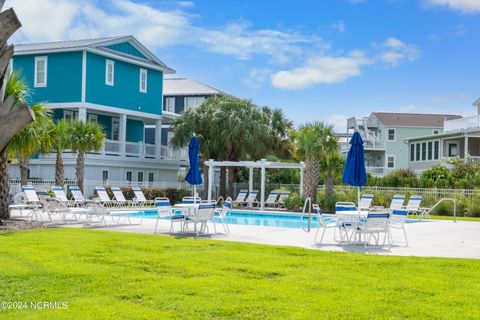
x=175 y=195
x=437 y=176
x=294 y=202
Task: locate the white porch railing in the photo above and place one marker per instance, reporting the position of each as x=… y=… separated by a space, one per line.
x=168 y=152
x=143 y=150
x=376 y=171
x=462 y=124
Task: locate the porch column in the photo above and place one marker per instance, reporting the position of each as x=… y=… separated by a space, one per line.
x=158 y=138
x=465 y=156
x=302 y=171
x=210 y=178
x=262 y=186
x=122 y=133
x=82 y=114
x=250 y=179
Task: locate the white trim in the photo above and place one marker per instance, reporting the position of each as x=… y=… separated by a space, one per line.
x=394 y=161
x=84 y=75
x=45 y=71
x=394 y=134
x=92 y=117
x=111 y=133
x=69 y=113
x=153 y=176
x=138 y=176
x=131 y=175
x=166 y=104
x=109 y=62
x=435 y=130
x=448 y=149
x=142 y=72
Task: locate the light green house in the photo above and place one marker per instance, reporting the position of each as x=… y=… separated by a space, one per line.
x=385 y=135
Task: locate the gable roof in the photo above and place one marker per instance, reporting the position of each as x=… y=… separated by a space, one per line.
x=414 y=119
x=97 y=45
x=188 y=87
x=477 y=102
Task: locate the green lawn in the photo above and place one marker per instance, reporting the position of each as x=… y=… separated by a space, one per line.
x=108 y=275
x=451 y=218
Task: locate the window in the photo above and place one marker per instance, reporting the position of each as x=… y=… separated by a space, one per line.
x=417 y=152
x=143 y=80
x=92 y=117
x=68 y=115
x=129 y=176
x=40 y=72
x=140 y=176
x=115 y=128
x=109 y=72
x=453 y=149
x=192 y=102
x=105 y=175
x=424 y=151
x=151 y=176
x=391 y=135
x=430 y=150
x=435 y=150
x=169 y=104
x=390 y=162
x=412 y=152
x=436 y=131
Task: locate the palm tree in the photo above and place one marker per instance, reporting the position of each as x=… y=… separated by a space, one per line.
x=85 y=137
x=313 y=141
x=331 y=167
x=32 y=139
x=279 y=142
x=60 y=135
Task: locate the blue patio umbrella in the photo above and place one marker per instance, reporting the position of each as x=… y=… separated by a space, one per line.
x=354 y=172
x=194 y=176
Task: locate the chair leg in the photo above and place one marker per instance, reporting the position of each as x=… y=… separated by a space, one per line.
x=405 y=234
x=156 y=225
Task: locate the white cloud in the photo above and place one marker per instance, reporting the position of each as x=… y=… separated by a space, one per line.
x=394 y=52
x=257 y=77
x=339 y=26
x=321 y=70
x=466 y=6
x=339 y=122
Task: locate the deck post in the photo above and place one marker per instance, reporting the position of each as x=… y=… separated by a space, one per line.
x=262 y=186
x=250 y=179
x=302 y=171
x=158 y=139
x=210 y=178
x=122 y=133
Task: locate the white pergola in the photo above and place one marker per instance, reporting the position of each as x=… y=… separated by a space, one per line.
x=262 y=165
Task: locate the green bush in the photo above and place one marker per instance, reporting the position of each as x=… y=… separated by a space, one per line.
x=175 y=195
x=294 y=202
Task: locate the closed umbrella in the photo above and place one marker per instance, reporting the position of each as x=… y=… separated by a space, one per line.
x=354 y=172
x=194 y=176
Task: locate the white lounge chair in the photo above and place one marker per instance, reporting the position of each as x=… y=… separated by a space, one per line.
x=203 y=214
x=241 y=196
x=251 y=199
x=104 y=197
x=77 y=195
x=165 y=210
x=27 y=200
x=413 y=207
x=324 y=222
x=98 y=210
x=54 y=206
x=223 y=212
x=61 y=196
x=281 y=199
x=397 y=221
x=140 y=197
x=365 y=202
x=377 y=222
x=397 y=202
x=191 y=200
x=271 y=199
x=120 y=198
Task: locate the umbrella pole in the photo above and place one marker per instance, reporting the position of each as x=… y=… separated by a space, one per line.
x=358 y=198
x=194 y=194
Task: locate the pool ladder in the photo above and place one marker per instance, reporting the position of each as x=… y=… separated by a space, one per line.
x=307 y=206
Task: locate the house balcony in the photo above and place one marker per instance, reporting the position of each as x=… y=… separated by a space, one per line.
x=372 y=145
x=376 y=171
x=462 y=124
x=143 y=150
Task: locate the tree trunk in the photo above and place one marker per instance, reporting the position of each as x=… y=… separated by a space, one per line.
x=23 y=165
x=311 y=179
x=80 y=170
x=223 y=182
x=231 y=180
x=206 y=181
x=4 y=186
x=59 y=171
x=329 y=185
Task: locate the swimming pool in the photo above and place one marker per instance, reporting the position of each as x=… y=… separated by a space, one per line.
x=259 y=218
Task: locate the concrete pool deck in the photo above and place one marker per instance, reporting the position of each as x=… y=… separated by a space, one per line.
x=429 y=238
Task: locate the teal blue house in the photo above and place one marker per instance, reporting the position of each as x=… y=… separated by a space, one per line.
x=115 y=81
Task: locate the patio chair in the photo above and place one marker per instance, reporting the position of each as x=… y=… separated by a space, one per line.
x=203 y=214
x=77 y=195
x=26 y=200
x=345 y=224
x=165 y=210
x=281 y=199
x=271 y=199
x=190 y=200
x=223 y=212
x=397 y=221
x=61 y=196
x=120 y=198
x=397 y=202
x=140 y=197
x=97 y=209
x=413 y=207
x=324 y=222
x=365 y=202
x=55 y=206
x=251 y=199
x=104 y=197
x=377 y=222
x=241 y=196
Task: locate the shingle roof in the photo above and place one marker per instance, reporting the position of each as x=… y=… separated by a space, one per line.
x=187 y=87
x=61 y=44
x=414 y=119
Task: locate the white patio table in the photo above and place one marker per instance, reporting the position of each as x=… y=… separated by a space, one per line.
x=353 y=217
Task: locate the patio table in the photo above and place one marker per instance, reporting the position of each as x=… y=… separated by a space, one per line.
x=353 y=217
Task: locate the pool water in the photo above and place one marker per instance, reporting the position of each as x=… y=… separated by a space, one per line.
x=266 y=219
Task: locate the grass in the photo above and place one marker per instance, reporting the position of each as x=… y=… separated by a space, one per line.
x=108 y=275
x=458 y=218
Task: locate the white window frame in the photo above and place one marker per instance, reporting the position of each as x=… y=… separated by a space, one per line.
x=438 y=150
x=68 y=113
x=107 y=63
x=166 y=107
x=103 y=172
x=196 y=101
x=113 y=127
x=153 y=176
x=45 y=63
x=412 y=154
x=138 y=176
x=394 y=160
x=394 y=134
x=131 y=175
x=454 y=144
x=435 y=131
x=142 y=72
x=92 y=117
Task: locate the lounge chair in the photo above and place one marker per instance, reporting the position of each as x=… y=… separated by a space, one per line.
x=413 y=207
x=55 y=206
x=77 y=195
x=271 y=199
x=241 y=196
x=251 y=199
x=61 y=196
x=324 y=222
x=104 y=197
x=365 y=202
x=281 y=199
x=98 y=210
x=397 y=221
x=397 y=202
x=165 y=210
x=191 y=200
x=203 y=214
x=120 y=198
x=140 y=197
x=223 y=212
x=377 y=222
x=29 y=199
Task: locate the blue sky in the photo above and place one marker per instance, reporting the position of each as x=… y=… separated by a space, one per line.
x=316 y=60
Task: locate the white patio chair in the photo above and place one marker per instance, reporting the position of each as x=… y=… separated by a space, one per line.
x=413 y=207
x=223 y=212
x=140 y=197
x=120 y=198
x=324 y=222
x=346 y=224
x=191 y=200
x=365 y=202
x=397 y=221
x=281 y=199
x=241 y=196
x=251 y=199
x=77 y=195
x=165 y=210
x=397 y=202
x=61 y=196
x=104 y=197
x=26 y=200
x=55 y=206
x=203 y=214
x=271 y=199
x=97 y=209
x=377 y=222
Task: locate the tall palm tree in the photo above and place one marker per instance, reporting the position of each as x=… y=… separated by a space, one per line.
x=60 y=135
x=331 y=167
x=279 y=142
x=85 y=137
x=16 y=88
x=32 y=139
x=313 y=141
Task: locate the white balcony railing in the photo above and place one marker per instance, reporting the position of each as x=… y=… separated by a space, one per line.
x=142 y=150
x=376 y=171
x=461 y=124
x=167 y=152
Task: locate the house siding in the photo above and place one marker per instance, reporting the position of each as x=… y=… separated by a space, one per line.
x=64 y=77
x=125 y=92
x=127 y=48
x=135 y=130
